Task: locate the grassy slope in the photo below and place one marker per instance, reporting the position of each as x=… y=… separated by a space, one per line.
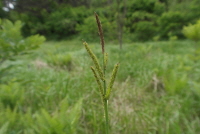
x=156 y=90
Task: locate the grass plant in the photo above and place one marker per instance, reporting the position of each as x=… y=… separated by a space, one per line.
x=100 y=73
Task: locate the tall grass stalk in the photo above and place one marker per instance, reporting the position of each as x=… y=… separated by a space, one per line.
x=100 y=73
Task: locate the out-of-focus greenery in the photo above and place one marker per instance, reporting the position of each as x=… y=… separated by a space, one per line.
x=12 y=43
x=63 y=22
x=156 y=90
x=3 y=13
x=192 y=31
x=88 y=30
x=171 y=23
x=60 y=61
x=143 y=19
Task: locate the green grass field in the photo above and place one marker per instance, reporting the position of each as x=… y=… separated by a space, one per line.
x=53 y=91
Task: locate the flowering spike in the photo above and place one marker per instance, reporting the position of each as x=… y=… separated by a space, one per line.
x=112 y=79
x=100 y=30
x=98 y=82
x=94 y=59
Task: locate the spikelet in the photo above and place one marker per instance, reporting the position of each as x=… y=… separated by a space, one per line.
x=97 y=80
x=94 y=59
x=99 y=84
x=112 y=79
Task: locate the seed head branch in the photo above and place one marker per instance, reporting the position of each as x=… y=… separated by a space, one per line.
x=94 y=59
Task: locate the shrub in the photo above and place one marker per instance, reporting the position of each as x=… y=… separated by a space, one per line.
x=171 y=23
x=144 y=30
x=62 y=23
x=192 y=31
x=194 y=9
x=142 y=16
x=58 y=23
x=142 y=25
x=12 y=43
x=145 y=5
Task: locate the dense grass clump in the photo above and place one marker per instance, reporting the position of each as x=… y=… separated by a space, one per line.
x=156 y=90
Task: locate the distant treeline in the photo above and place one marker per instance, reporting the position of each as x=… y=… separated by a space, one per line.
x=134 y=20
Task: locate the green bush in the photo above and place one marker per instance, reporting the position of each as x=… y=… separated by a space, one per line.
x=59 y=23
x=145 y=5
x=62 y=23
x=192 y=31
x=194 y=9
x=171 y=23
x=142 y=16
x=189 y=8
x=159 y=8
x=144 y=30
x=12 y=43
x=143 y=25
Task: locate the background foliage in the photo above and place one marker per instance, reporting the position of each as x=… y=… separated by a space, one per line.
x=143 y=19
x=157 y=87
x=12 y=43
x=192 y=31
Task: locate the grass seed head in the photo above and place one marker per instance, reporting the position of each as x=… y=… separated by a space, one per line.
x=112 y=79
x=97 y=80
x=94 y=59
x=100 y=30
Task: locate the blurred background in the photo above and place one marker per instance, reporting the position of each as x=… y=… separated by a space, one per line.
x=131 y=20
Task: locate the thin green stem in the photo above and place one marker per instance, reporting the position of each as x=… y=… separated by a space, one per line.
x=105 y=100
x=104 y=73
x=106 y=116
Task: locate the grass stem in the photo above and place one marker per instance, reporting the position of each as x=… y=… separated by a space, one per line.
x=105 y=99
x=106 y=116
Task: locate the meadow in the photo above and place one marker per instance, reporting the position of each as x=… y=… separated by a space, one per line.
x=53 y=91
